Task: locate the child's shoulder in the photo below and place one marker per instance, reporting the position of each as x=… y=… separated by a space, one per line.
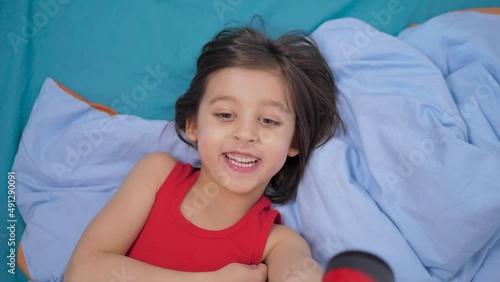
x=160 y=158
x=281 y=233
x=282 y=236
x=158 y=165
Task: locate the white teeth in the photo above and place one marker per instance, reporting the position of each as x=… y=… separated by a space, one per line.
x=242 y=161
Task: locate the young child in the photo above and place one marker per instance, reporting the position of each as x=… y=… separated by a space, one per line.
x=255 y=110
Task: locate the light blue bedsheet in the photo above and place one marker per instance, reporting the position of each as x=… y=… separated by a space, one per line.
x=415 y=179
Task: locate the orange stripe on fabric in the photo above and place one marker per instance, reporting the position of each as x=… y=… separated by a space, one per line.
x=493 y=11
x=96 y=106
x=21 y=262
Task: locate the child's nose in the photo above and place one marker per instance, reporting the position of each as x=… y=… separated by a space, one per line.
x=246 y=131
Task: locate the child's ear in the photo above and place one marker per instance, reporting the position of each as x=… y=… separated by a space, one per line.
x=292 y=152
x=191 y=129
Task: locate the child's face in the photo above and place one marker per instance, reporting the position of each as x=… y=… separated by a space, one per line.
x=244 y=129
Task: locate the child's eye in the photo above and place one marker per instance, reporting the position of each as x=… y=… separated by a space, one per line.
x=268 y=121
x=224 y=116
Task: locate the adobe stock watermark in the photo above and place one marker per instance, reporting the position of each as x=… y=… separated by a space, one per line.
x=471 y=104
x=383 y=18
x=266 y=136
x=202 y=197
x=139 y=93
x=121 y=276
x=93 y=137
x=482 y=92
x=301 y=271
x=45 y=10
x=363 y=36
x=11 y=222
x=425 y=147
x=223 y=6
x=323 y=248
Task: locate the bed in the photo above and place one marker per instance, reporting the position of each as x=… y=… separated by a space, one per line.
x=414 y=180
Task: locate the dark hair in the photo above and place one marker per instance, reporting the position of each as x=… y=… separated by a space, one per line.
x=309 y=82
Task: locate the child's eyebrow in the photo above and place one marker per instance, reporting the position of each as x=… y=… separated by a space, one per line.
x=278 y=105
x=222 y=98
x=266 y=102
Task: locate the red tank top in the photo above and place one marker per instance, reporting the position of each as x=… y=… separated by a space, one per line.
x=170 y=241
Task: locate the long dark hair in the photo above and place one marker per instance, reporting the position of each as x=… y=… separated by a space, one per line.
x=309 y=82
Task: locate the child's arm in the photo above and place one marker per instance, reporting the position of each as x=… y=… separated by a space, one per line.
x=288 y=257
x=100 y=252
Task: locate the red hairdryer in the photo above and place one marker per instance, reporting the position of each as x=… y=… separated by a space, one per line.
x=357 y=266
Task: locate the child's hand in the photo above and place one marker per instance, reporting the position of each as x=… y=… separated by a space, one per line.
x=242 y=273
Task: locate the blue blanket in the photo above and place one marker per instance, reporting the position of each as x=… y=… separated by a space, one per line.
x=414 y=179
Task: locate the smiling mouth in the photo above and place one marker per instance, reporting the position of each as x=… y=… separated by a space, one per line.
x=241 y=161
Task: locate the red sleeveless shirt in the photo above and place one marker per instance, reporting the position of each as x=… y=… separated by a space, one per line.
x=171 y=241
